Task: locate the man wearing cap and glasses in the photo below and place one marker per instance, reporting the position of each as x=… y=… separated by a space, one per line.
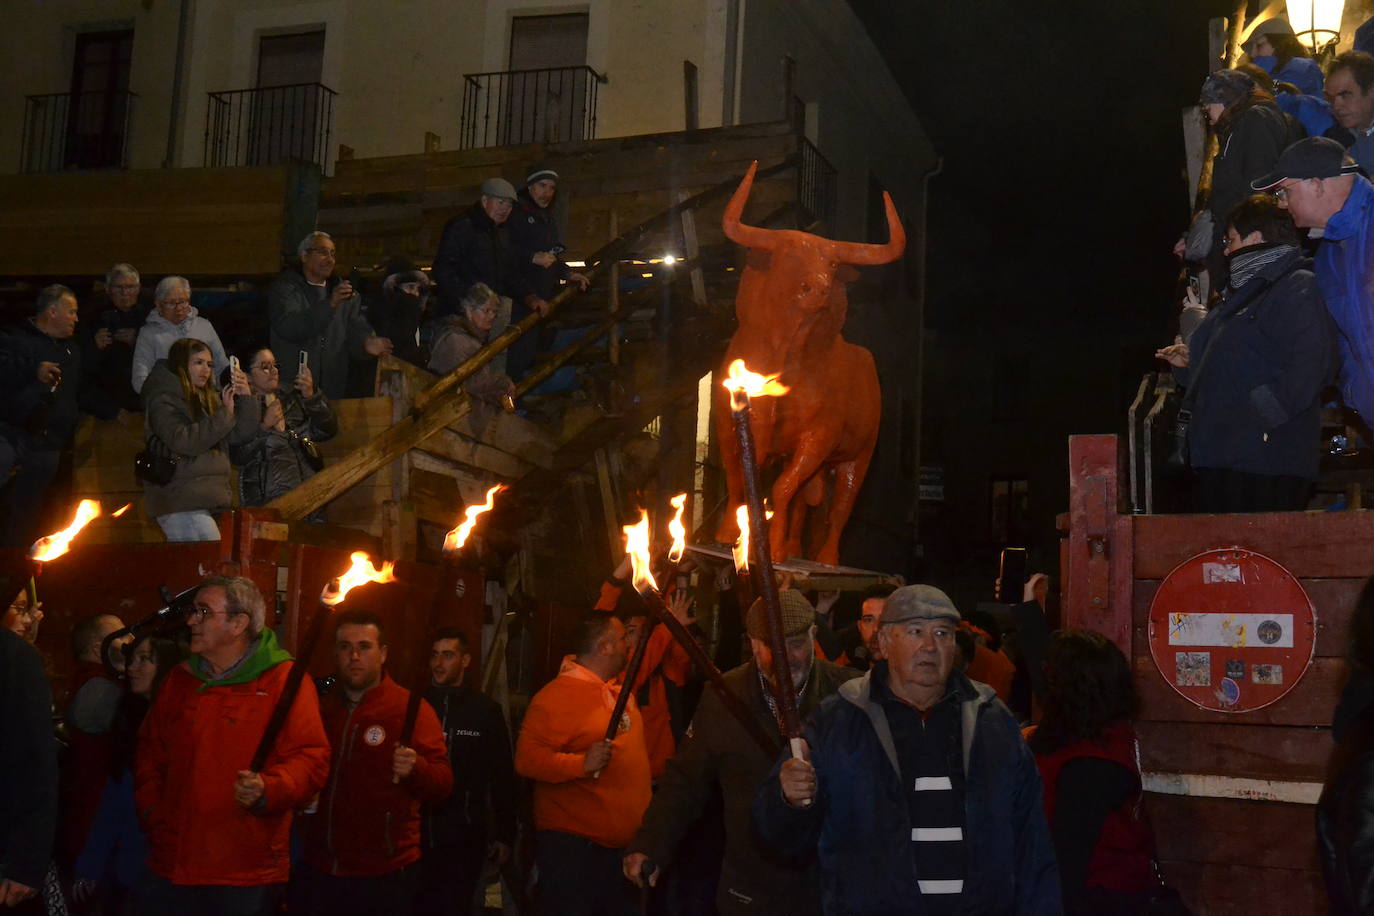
x=476 y=248
x=929 y=769
x=1319 y=186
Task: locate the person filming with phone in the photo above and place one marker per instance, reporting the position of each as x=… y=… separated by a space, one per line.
x=282 y=452
x=313 y=310
x=1254 y=369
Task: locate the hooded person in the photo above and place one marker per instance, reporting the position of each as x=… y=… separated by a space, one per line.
x=172 y=318
x=400 y=311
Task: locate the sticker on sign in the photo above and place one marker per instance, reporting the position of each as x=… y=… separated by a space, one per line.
x=1261 y=631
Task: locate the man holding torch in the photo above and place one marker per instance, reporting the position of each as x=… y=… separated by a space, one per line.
x=362 y=845
x=218 y=832
x=589 y=793
x=719 y=755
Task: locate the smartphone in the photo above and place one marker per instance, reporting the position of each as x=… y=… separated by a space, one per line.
x=233 y=362
x=1012 y=574
x=303 y=362
x=1195 y=286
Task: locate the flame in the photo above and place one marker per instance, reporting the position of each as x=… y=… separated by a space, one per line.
x=679 y=533
x=740 y=552
x=637 y=546
x=743 y=384
x=456 y=538
x=52 y=546
x=121 y=510
x=361 y=572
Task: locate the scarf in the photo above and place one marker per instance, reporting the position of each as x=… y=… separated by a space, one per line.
x=1249 y=261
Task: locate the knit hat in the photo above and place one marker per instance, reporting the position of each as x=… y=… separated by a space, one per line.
x=1314 y=157
x=498 y=187
x=1226 y=88
x=918 y=602
x=797 y=615
x=539 y=173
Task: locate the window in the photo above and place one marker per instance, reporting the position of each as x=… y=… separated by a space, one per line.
x=99 y=109
x=286 y=115
x=547 y=96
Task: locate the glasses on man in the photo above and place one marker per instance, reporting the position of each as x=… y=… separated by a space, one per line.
x=125 y=288
x=321 y=252
x=198 y=613
x=175 y=303
x=1281 y=194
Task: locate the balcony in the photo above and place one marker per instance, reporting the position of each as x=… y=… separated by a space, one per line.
x=272 y=125
x=512 y=107
x=815 y=186
x=67 y=131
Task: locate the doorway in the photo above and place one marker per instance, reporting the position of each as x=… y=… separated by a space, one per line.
x=289 y=108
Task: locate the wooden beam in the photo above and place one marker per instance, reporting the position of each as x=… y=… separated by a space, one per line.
x=609 y=509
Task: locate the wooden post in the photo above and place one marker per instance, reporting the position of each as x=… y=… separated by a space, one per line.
x=692 y=251
x=1097 y=570
x=690 y=104
x=610 y=507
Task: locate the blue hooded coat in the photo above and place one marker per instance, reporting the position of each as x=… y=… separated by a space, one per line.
x=1345 y=273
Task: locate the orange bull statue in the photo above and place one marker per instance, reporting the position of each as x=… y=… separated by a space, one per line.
x=791 y=307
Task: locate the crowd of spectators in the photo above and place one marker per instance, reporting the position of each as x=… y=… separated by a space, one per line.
x=265 y=409
x=1283 y=323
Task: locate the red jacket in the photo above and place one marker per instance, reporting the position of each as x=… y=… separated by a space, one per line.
x=193 y=742
x=366 y=824
x=664 y=660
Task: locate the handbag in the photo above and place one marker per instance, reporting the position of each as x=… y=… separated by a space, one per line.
x=156 y=464
x=309 y=450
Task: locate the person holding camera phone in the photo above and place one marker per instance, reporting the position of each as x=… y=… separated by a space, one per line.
x=197 y=424
x=313 y=310
x=109 y=333
x=282 y=451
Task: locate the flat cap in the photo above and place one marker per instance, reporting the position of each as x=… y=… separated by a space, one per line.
x=918 y=602
x=797 y=615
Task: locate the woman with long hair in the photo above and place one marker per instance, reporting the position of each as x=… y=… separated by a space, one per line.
x=194 y=423
x=1275 y=49
x=1085 y=747
x=111 y=862
x=282 y=451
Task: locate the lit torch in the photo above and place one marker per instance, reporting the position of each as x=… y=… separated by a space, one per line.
x=456 y=538
x=52 y=546
x=675 y=528
x=637 y=546
x=121 y=510
x=744 y=385
x=334 y=592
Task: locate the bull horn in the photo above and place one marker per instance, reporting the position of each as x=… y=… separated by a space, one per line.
x=736 y=231
x=860 y=254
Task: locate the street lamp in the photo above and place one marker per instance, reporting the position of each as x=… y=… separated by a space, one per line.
x=1316 y=22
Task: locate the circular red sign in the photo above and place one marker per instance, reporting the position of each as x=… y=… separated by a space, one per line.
x=1231 y=630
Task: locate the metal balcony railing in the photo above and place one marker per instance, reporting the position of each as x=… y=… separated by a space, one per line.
x=76 y=130
x=512 y=107
x=815 y=185
x=270 y=125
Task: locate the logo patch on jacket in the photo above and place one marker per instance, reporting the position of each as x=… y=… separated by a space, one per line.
x=374 y=735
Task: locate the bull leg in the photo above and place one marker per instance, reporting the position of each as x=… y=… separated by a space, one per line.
x=805 y=463
x=849 y=476
x=812 y=494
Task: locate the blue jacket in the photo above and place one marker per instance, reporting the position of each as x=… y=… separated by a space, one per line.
x=1345 y=264
x=1313 y=113
x=1302 y=72
x=1268 y=349
x=859 y=824
x=115 y=846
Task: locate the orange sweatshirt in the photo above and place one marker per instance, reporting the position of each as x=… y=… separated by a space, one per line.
x=662 y=656
x=993 y=669
x=565 y=718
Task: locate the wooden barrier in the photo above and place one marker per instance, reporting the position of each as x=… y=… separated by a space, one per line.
x=1230 y=794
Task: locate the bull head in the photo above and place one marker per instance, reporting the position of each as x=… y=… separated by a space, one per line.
x=857 y=253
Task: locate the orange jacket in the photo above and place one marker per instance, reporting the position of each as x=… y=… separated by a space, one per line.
x=566 y=717
x=663 y=658
x=193 y=742
x=368 y=825
x=992 y=668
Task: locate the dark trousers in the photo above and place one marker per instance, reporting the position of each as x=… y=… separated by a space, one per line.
x=314 y=892
x=1227 y=490
x=579 y=878
x=159 y=897
x=33 y=469
x=448 y=879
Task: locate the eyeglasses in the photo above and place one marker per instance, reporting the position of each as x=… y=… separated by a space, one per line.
x=267 y=367
x=125 y=288
x=198 y=613
x=322 y=252
x=175 y=303
x=1281 y=193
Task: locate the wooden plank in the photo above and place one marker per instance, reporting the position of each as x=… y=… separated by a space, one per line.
x=1334 y=600
x=458 y=449
x=1310 y=703
x=1223 y=831
x=1308 y=544
x=1242 y=890
x=1241 y=750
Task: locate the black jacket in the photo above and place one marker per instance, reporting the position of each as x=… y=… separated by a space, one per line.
x=534 y=229
x=483 y=801
x=28 y=406
x=273 y=462
x=1345 y=821
x=28 y=764
x=108 y=373
x=719 y=754
x=1269 y=348
x=1247 y=149
x=473 y=249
